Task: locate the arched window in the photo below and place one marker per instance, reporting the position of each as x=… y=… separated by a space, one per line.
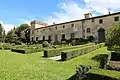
x=88 y=30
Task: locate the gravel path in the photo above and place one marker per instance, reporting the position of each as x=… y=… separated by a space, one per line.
x=56 y=58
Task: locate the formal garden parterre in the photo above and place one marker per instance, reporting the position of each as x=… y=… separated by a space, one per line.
x=34 y=63
x=88 y=61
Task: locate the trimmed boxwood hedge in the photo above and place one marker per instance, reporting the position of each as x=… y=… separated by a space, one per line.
x=81 y=72
x=115 y=56
x=69 y=54
x=27 y=50
x=5 y=46
x=101 y=74
x=92 y=76
x=57 y=52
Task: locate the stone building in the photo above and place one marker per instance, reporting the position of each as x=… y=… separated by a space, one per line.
x=84 y=28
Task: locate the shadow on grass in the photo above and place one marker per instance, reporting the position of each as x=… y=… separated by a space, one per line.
x=60 y=60
x=72 y=77
x=102 y=59
x=44 y=57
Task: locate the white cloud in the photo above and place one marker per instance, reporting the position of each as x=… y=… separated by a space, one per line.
x=69 y=10
x=72 y=10
x=103 y=6
x=26 y=21
x=7 y=27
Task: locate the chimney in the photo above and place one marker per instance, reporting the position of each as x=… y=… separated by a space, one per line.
x=88 y=15
x=109 y=12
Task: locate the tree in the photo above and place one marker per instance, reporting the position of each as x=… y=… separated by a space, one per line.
x=14 y=39
x=18 y=34
x=113 y=36
x=8 y=37
x=1 y=31
x=20 y=30
x=14 y=28
x=11 y=37
x=3 y=36
x=27 y=35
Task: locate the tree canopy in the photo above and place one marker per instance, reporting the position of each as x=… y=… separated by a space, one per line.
x=1 y=31
x=113 y=35
x=17 y=35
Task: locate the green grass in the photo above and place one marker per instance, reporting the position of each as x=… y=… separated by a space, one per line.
x=16 y=66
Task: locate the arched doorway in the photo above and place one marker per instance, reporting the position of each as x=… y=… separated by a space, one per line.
x=101 y=35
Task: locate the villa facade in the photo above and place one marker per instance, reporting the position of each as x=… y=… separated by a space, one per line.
x=84 y=28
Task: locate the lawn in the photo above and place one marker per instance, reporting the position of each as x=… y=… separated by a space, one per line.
x=16 y=66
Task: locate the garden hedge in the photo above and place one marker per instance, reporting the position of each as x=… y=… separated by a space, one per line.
x=57 y=52
x=69 y=54
x=27 y=50
x=113 y=61
x=115 y=56
x=101 y=74
x=5 y=46
x=81 y=72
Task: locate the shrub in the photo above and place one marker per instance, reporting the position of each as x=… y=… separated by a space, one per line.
x=69 y=54
x=80 y=41
x=13 y=44
x=45 y=44
x=73 y=42
x=115 y=56
x=102 y=59
x=91 y=39
x=26 y=50
x=81 y=72
x=0 y=45
x=57 y=51
x=6 y=46
x=113 y=38
x=18 y=50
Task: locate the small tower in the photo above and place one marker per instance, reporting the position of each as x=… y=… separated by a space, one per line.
x=88 y=15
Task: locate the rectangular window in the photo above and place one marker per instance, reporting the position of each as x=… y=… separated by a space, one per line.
x=56 y=28
x=116 y=18
x=43 y=37
x=63 y=36
x=63 y=26
x=32 y=38
x=49 y=28
x=88 y=30
x=43 y=29
x=93 y=20
x=72 y=25
x=56 y=38
x=36 y=38
x=72 y=35
x=101 y=21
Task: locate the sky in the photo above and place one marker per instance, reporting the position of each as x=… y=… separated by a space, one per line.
x=16 y=12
